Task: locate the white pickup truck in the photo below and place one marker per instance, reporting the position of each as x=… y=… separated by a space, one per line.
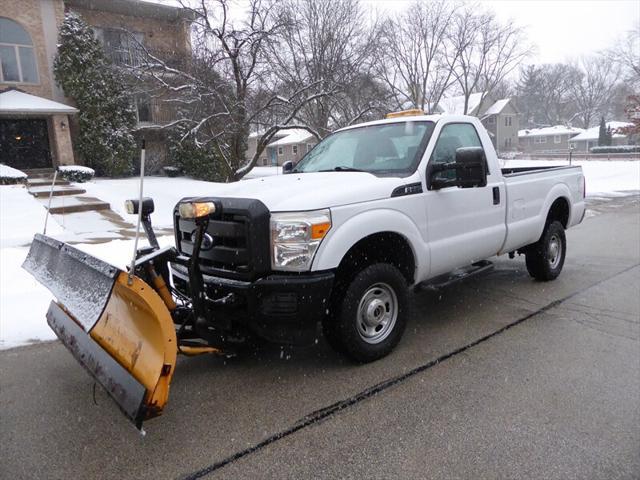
x=372 y=211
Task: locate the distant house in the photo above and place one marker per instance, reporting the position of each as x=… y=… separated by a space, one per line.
x=547 y=139
x=589 y=138
x=286 y=145
x=499 y=117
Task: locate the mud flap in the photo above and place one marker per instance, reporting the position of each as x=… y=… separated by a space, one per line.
x=120 y=331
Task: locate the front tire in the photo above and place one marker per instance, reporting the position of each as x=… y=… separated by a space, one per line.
x=545 y=258
x=367 y=320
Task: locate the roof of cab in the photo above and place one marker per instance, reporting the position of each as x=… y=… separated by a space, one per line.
x=412 y=118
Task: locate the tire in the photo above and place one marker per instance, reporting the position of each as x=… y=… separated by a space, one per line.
x=545 y=258
x=367 y=319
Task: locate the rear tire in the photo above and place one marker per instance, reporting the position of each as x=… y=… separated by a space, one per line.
x=367 y=320
x=545 y=258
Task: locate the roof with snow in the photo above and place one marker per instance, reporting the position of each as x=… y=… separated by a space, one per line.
x=594 y=132
x=545 y=131
x=455 y=105
x=497 y=107
x=17 y=102
x=295 y=135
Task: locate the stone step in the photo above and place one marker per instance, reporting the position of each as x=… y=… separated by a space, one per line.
x=75 y=204
x=38 y=171
x=42 y=182
x=58 y=191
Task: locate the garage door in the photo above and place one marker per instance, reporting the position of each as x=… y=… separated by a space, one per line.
x=24 y=143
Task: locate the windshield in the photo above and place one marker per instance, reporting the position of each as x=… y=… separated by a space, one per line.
x=391 y=148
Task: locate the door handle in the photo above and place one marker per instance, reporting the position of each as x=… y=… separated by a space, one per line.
x=496 y=195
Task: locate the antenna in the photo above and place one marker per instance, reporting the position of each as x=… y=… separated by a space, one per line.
x=135 y=243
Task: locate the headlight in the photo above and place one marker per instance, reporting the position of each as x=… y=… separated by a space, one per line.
x=295 y=237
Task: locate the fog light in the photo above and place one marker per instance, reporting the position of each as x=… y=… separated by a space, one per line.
x=196 y=209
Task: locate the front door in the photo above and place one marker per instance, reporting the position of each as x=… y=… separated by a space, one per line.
x=464 y=224
x=24 y=143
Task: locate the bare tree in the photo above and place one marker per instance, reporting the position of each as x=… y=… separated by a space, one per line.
x=626 y=54
x=412 y=59
x=593 y=93
x=230 y=85
x=328 y=44
x=484 y=51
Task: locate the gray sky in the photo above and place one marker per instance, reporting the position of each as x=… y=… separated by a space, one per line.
x=560 y=29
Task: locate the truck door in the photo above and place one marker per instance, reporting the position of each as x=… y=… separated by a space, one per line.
x=463 y=224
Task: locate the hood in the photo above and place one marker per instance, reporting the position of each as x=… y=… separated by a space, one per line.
x=312 y=191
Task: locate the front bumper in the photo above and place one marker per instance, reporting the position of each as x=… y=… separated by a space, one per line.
x=281 y=308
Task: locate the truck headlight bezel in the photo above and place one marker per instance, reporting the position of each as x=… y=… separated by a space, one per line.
x=295 y=238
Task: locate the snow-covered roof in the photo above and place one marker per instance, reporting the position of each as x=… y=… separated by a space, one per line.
x=497 y=107
x=594 y=132
x=545 y=131
x=295 y=135
x=455 y=105
x=17 y=102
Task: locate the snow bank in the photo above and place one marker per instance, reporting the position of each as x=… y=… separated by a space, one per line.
x=7 y=172
x=21 y=215
x=602 y=178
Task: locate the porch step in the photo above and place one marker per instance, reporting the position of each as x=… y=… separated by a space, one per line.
x=39 y=173
x=58 y=191
x=45 y=182
x=76 y=204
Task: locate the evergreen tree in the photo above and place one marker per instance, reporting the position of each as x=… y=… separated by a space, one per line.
x=106 y=116
x=608 y=137
x=602 y=133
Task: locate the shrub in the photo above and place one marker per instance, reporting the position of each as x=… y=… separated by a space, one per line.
x=11 y=176
x=76 y=173
x=616 y=149
x=171 y=171
x=195 y=161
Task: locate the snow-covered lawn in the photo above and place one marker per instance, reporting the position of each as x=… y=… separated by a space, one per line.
x=24 y=302
x=603 y=178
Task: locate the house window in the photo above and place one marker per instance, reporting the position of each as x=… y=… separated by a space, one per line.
x=507 y=142
x=17 y=57
x=309 y=146
x=507 y=121
x=143 y=108
x=280 y=151
x=557 y=139
x=491 y=120
x=120 y=46
x=294 y=149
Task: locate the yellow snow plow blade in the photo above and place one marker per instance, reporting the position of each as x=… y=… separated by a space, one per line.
x=120 y=331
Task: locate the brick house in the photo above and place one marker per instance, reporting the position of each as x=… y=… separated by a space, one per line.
x=28 y=39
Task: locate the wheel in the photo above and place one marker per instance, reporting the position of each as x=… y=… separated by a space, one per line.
x=367 y=320
x=545 y=258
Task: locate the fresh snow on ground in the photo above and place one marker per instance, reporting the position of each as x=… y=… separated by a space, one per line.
x=24 y=302
x=21 y=215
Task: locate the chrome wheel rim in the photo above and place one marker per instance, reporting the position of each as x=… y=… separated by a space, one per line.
x=377 y=313
x=554 y=251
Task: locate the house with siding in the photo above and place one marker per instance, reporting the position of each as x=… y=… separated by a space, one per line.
x=547 y=139
x=286 y=145
x=500 y=117
x=28 y=44
x=589 y=138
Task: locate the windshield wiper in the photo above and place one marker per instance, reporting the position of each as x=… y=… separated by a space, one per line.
x=343 y=169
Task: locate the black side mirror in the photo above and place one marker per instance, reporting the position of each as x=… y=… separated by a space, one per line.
x=471 y=167
x=287 y=167
x=470 y=170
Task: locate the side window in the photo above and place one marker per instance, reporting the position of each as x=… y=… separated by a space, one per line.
x=452 y=137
